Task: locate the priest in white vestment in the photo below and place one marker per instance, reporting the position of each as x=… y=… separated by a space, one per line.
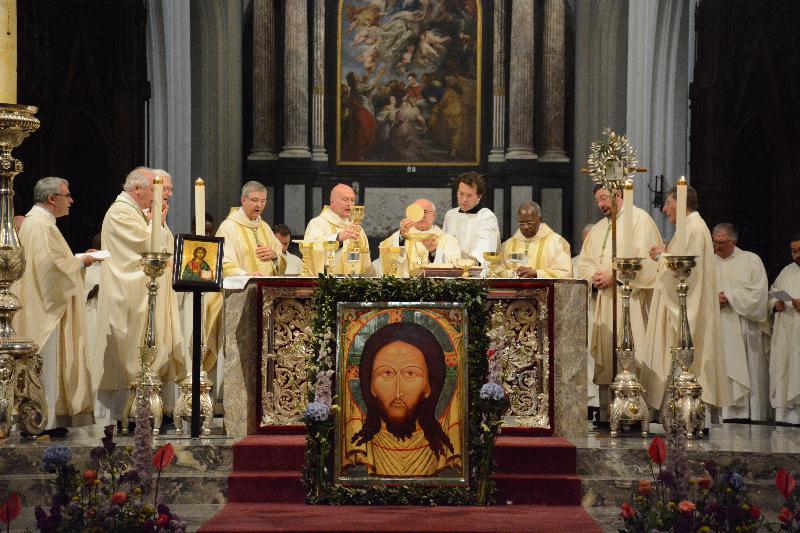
x=334 y=224
x=594 y=265
x=784 y=363
x=742 y=283
x=53 y=310
x=474 y=227
x=546 y=252
x=294 y=265
x=441 y=249
x=591 y=300
x=122 y=299
x=702 y=304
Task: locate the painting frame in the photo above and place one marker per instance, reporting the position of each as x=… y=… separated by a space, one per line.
x=186 y=245
x=373 y=463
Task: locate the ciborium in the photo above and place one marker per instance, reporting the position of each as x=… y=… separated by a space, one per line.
x=307 y=250
x=21 y=388
x=330 y=252
x=148 y=384
x=417 y=260
x=494 y=259
x=628 y=404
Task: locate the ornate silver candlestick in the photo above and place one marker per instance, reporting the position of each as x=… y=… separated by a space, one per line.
x=183 y=405
x=685 y=392
x=628 y=404
x=20 y=363
x=148 y=383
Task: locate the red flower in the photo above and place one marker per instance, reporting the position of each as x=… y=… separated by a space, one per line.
x=785 y=483
x=645 y=487
x=163 y=521
x=786 y=516
x=89 y=476
x=119 y=498
x=755 y=512
x=490 y=353
x=704 y=483
x=657 y=450
x=687 y=507
x=627 y=511
x=10 y=509
x=163 y=456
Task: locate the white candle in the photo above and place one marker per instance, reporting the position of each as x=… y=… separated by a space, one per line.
x=626 y=250
x=155 y=232
x=679 y=248
x=199 y=206
x=8 y=51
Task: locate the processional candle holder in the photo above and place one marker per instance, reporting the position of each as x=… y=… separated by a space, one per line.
x=21 y=389
x=685 y=402
x=416 y=261
x=148 y=384
x=628 y=404
x=494 y=259
x=331 y=247
x=183 y=405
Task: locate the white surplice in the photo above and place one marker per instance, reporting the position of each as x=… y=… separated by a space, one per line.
x=476 y=232
x=784 y=363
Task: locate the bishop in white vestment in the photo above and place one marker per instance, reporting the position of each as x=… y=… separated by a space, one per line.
x=474 y=227
x=546 y=253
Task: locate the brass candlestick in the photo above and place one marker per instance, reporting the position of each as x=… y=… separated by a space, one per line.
x=685 y=401
x=21 y=387
x=628 y=404
x=357 y=215
x=148 y=384
x=330 y=252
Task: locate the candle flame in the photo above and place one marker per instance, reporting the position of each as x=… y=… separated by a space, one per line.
x=629 y=184
x=158 y=180
x=199 y=182
x=682 y=180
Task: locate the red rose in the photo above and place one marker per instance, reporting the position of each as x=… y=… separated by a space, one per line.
x=657 y=450
x=119 y=498
x=785 y=483
x=645 y=487
x=163 y=520
x=704 y=483
x=687 y=507
x=755 y=512
x=89 y=476
x=786 y=516
x=627 y=511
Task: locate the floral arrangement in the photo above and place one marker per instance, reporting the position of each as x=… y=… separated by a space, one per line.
x=789 y=516
x=612 y=150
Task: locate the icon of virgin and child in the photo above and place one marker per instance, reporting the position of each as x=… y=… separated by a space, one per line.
x=395 y=431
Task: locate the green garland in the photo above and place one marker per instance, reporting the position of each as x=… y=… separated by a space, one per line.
x=485 y=415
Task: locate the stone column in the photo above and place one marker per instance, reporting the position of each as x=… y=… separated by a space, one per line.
x=497 y=153
x=553 y=93
x=295 y=74
x=520 y=124
x=265 y=138
x=318 y=94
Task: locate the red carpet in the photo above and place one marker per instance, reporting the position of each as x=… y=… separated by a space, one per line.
x=535 y=474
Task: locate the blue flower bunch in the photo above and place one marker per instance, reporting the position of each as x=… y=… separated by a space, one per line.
x=56 y=457
x=317 y=412
x=492 y=391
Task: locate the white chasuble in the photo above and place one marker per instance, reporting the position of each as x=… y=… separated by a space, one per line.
x=447 y=248
x=122 y=302
x=784 y=363
x=547 y=252
x=476 y=232
x=326 y=227
x=53 y=308
x=595 y=256
x=745 y=333
x=702 y=302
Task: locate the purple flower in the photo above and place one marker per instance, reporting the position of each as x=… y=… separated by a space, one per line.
x=97 y=453
x=56 y=457
x=492 y=391
x=317 y=412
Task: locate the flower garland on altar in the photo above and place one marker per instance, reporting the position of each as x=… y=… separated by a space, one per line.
x=487 y=404
x=613 y=150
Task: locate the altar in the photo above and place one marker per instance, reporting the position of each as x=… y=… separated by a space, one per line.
x=267 y=322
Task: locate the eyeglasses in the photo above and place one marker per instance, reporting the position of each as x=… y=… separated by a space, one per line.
x=527 y=224
x=722 y=243
x=68 y=195
x=257 y=201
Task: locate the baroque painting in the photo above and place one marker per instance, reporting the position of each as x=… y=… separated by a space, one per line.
x=409 y=82
x=402 y=375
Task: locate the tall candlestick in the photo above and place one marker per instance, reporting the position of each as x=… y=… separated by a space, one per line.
x=199 y=206
x=155 y=210
x=679 y=248
x=8 y=51
x=626 y=250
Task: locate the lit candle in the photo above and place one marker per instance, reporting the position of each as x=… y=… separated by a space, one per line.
x=8 y=51
x=679 y=248
x=626 y=250
x=199 y=206
x=155 y=210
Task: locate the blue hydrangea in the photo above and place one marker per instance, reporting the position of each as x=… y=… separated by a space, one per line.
x=317 y=412
x=736 y=481
x=56 y=457
x=492 y=391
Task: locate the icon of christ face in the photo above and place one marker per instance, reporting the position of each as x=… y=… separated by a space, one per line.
x=399 y=382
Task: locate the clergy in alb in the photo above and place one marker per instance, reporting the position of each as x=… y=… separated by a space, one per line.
x=474 y=226
x=594 y=265
x=122 y=300
x=702 y=303
x=742 y=284
x=334 y=224
x=53 y=310
x=784 y=362
x=442 y=248
x=546 y=252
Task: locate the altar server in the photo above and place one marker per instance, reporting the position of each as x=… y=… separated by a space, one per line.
x=294 y=265
x=122 y=298
x=474 y=226
x=334 y=224
x=745 y=329
x=53 y=312
x=784 y=362
x=546 y=252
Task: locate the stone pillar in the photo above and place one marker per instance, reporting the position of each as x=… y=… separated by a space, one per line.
x=265 y=138
x=497 y=153
x=520 y=124
x=553 y=93
x=295 y=74
x=318 y=93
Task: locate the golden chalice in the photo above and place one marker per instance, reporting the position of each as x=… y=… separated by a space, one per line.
x=389 y=259
x=464 y=264
x=330 y=250
x=307 y=249
x=494 y=259
x=416 y=260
